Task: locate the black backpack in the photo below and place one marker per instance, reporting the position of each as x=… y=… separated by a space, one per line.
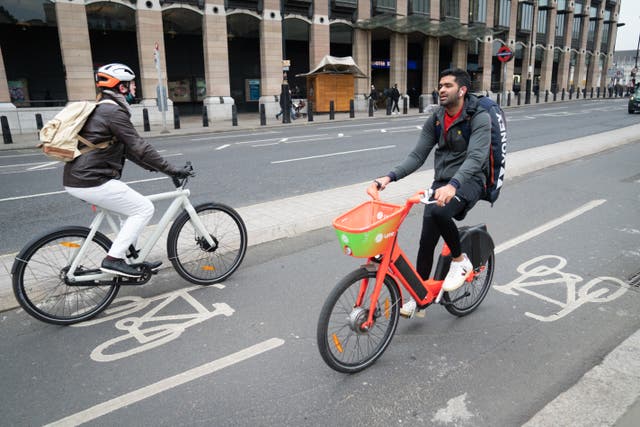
x=498 y=148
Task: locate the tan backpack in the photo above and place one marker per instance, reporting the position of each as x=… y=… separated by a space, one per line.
x=59 y=137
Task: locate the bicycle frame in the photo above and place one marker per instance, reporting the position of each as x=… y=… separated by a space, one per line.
x=396 y=264
x=180 y=201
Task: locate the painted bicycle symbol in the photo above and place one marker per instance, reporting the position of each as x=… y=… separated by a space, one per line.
x=151 y=329
x=546 y=270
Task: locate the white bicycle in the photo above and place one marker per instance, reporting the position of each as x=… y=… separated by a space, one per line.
x=57 y=277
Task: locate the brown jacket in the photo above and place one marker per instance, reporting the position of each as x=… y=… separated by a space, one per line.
x=101 y=165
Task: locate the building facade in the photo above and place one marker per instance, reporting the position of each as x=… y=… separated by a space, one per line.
x=223 y=52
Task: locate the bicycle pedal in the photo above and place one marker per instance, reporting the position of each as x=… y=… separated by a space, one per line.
x=421 y=313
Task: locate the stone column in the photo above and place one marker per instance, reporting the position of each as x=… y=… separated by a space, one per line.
x=459 y=57
x=546 y=70
x=398 y=57
x=486 y=51
x=76 y=50
x=594 y=64
x=530 y=55
x=362 y=56
x=430 y=66
x=613 y=32
x=508 y=79
x=149 y=32
x=320 y=37
x=5 y=98
x=271 y=56
x=216 y=61
x=6 y=107
x=565 y=55
x=580 y=73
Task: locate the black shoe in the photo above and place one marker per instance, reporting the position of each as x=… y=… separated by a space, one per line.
x=119 y=267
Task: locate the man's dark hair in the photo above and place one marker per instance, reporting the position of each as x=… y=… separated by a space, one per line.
x=462 y=77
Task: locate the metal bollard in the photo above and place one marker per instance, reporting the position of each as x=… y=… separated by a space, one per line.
x=519 y=96
x=538 y=97
x=332 y=110
x=555 y=94
x=509 y=99
x=234 y=115
x=263 y=116
x=498 y=98
x=205 y=116
x=562 y=99
x=404 y=105
x=421 y=105
x=546 y=96
x=388 y=106
x=176 y=118
x=39 y=121
x=598 y=92
x=310 y=111
x=591 y=92
x=578 y=93
x=370 y=107
x=6 y=132
x=145 y=120
x=352 y=112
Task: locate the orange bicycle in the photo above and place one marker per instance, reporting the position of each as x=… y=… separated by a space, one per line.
x=360 y=315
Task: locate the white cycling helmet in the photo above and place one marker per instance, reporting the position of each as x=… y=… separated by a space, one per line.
x=111 y=75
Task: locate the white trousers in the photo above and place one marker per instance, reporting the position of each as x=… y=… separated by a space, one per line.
x=118 y=197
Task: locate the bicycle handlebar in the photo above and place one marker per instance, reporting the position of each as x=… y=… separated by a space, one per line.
x=421 y=196
x=183 y=182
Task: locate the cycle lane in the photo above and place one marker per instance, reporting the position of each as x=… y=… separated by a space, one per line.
x=461 y=351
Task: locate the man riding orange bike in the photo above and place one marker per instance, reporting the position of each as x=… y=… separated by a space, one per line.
x=459 y=180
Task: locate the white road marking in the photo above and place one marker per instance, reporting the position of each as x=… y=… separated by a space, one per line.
x=167 y=384
x=31 y=196
x=353 y=126
x=332 y=154
x=222 y=147
x=24 y=164
x=207 y=138
x=548 y=226
x=44 y=165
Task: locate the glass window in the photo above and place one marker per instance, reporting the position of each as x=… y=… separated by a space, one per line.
x=605 y=34
x=542 y=21
x=478 y=11
x=422 y=7
x=592 y=31
x=577 y=23
x=593 y=12
x=559 y=25
x=525 y=17
x=502 y=13
x=577 y=8
x=450 y=8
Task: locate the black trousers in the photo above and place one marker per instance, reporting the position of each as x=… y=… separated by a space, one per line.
x=439 y=221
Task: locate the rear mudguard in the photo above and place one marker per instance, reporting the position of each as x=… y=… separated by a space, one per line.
x=475 y=241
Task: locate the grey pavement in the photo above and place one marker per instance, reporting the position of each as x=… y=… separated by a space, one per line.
x=607 y=395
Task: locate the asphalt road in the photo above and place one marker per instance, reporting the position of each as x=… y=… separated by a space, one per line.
x=244 y=168
x=566 y=244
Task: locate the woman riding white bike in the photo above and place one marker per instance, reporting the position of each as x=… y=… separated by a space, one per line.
x=95 y=176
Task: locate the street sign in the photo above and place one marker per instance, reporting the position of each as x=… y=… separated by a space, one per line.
x=504 y=54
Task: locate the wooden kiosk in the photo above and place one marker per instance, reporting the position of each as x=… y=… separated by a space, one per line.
x=332 y=80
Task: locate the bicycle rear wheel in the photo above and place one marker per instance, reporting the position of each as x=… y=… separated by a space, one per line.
x=477 y=289
x=39 y=277
x=194 y=258
x=342 y=343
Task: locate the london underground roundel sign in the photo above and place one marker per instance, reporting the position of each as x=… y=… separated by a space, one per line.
x=504 y=54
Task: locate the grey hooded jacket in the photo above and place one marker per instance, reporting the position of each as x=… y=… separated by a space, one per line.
x=455 y=158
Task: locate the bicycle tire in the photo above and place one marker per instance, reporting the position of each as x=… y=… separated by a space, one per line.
x=192 y=256
x=477 y=288
x=342 y=344
x=39 y=286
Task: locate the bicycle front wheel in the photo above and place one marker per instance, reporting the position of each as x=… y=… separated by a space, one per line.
x=460 y=305
x=342 y=343
x=198 y=261
x=39 y=277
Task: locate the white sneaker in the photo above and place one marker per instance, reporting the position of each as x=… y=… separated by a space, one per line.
x=458 y=273
x=408 y=308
